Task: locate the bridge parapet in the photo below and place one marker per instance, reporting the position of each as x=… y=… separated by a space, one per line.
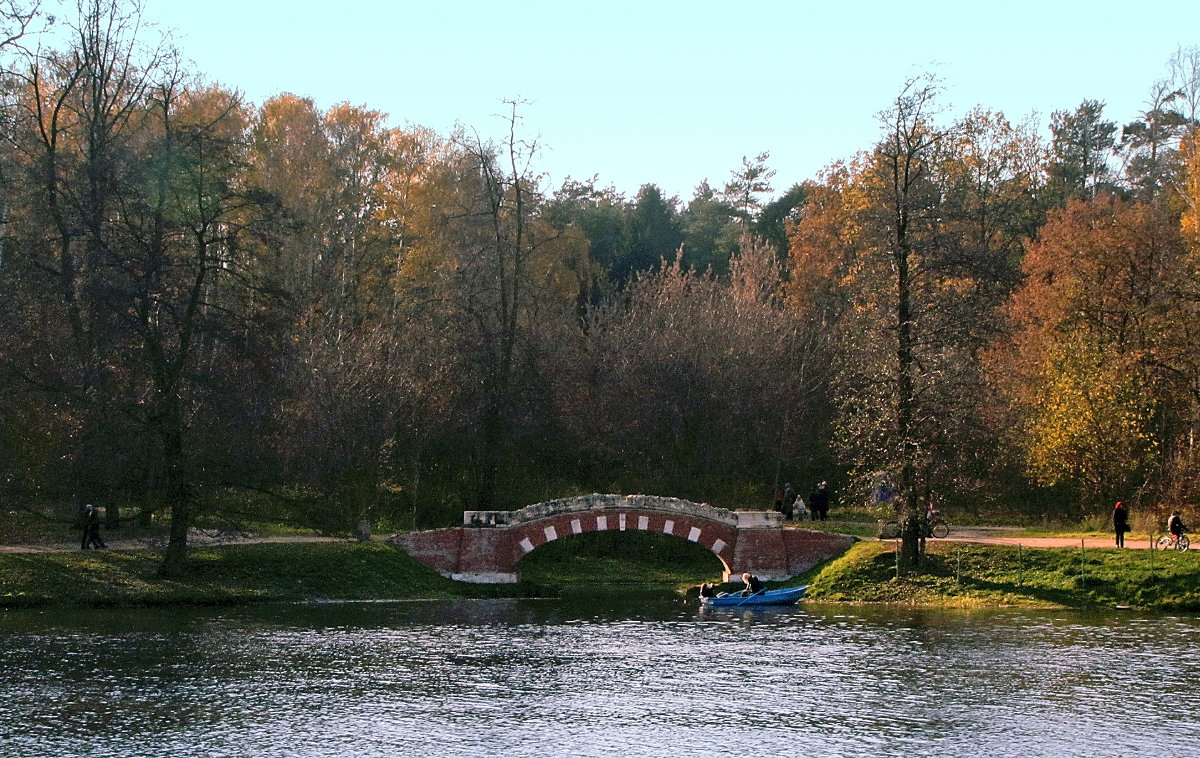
x=598 y=502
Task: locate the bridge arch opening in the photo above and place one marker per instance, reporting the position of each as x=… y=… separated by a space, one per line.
x=614 y=555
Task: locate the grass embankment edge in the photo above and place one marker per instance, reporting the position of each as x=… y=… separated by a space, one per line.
x=973 y=575
x=952 y=575
x=228 y=575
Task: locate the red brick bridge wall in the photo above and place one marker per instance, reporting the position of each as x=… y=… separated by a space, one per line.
x=491 y=544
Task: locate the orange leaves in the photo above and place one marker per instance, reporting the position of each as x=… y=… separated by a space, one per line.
x=1090 y=420
x=1190 y=222
x=1100 y=300
x=1102 y=267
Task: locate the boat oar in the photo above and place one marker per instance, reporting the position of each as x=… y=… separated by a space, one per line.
x=747 y=597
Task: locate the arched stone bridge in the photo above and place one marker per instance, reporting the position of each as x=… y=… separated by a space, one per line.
x=490 y=544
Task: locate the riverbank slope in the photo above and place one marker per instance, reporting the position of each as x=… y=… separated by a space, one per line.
x=223 y=574
x=954 y=574
x=971 y=574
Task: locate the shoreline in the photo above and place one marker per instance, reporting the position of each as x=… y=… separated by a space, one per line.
x=965 y=573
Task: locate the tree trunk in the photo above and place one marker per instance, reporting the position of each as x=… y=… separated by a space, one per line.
x=912 y=530
x=175 y=558
x=176 y=490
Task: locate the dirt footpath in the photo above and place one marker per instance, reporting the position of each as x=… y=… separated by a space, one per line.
x=985 y=535
x=196 y=538
x=1002 y=535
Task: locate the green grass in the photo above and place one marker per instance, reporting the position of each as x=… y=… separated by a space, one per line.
x=608 y=563
x=614 y=563
x=222 y=575
x=855 y=528
x=996 y=575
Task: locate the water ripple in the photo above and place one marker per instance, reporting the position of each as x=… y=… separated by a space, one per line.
x=537 y=679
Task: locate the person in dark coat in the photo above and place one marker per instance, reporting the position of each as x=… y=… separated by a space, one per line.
x=87 y=526
x=1120 y=522
x=818 y=502
x=91 y=528
x=789 y=501
x=753 y=585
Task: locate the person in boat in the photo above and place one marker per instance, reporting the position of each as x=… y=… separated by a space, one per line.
x=707 y=590
x=753 y=585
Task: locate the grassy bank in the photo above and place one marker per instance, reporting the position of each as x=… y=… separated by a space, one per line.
x=603 y=564
x=277 y=572
x=955 y=574
x=962 y=574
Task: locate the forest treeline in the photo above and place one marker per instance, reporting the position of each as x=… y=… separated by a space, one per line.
x=209 y=307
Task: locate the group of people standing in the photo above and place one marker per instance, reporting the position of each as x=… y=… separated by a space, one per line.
x=792 y=506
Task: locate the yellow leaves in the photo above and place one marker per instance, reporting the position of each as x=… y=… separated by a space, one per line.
x=1098 y=343
x=1091 y=418
x=1190 y=222
x=561 y=263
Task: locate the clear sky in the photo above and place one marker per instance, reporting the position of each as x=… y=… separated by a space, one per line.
x=673 y=92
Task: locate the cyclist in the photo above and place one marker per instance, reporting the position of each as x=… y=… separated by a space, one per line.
x=1175 y=527
x=932 y=517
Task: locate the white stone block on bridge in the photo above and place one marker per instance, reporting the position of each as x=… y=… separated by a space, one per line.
x=759 y=519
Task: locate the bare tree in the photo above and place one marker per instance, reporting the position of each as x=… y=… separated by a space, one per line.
x=16 y=20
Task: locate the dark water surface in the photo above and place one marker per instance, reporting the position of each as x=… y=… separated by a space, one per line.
x=546 y=678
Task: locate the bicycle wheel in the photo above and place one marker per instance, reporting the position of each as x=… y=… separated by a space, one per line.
x=889 y=531
x=1184 y=543
x=1165 y=543
x=940 y=530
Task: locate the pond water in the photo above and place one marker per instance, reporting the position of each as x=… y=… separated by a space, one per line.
x=549 y=678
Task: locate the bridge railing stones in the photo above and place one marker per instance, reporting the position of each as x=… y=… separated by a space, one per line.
x=598 y=502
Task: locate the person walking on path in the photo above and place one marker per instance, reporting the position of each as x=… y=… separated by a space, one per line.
x=91 y=529
x=1120 y=523
x=87 y=527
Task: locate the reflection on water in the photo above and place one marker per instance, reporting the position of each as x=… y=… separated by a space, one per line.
x=535 y=678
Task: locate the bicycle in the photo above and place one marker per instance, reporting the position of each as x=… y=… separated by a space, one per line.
x=892 y=530
x=1166 y=542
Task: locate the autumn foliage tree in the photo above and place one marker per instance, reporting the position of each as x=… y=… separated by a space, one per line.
x=135 y=241
x=905 y=253
x=1090 y=367
x=213 y=311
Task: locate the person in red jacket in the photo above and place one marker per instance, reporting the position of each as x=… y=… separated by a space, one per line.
x=1120 y=523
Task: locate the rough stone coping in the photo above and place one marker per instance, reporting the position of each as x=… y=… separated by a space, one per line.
x=597 y=502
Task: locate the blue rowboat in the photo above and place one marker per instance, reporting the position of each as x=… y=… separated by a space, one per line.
x=785 y=596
